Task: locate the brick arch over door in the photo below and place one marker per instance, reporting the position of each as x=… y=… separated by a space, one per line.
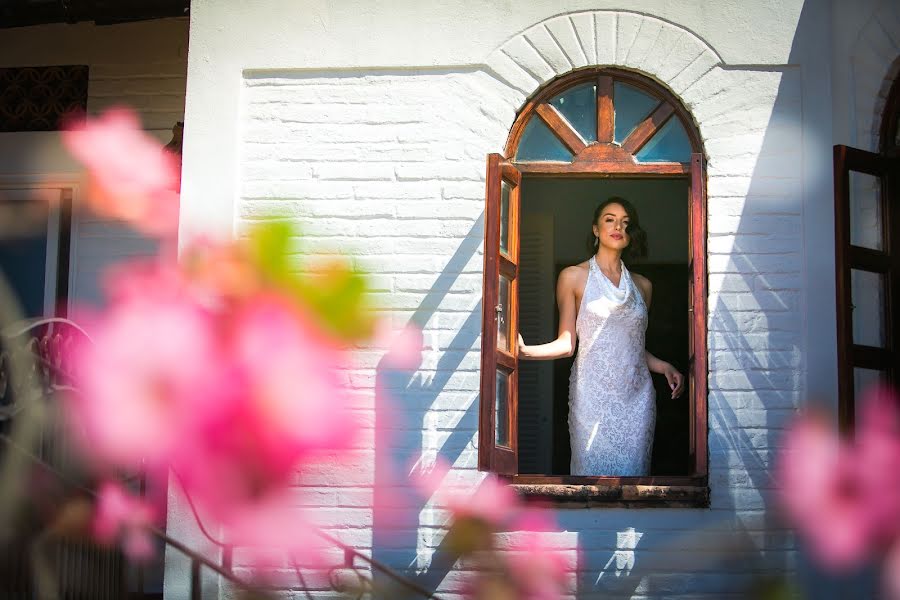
x=668 y=53
x=874 y=64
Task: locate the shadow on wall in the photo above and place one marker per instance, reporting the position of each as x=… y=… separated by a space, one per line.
x=764 y=294
x=410 y=424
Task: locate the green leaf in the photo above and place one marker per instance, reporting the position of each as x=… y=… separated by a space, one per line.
x=338 y=296
x=269 y=245
x=468 y=535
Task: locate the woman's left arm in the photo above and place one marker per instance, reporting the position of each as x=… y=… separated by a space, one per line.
x=656 y=365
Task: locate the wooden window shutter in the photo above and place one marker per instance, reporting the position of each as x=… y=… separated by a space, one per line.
x=867 y=272
x=498 y=413
x=698 y=371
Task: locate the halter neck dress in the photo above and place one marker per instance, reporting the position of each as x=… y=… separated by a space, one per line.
x=612 y=404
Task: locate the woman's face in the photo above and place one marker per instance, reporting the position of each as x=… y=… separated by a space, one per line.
x=611 y=227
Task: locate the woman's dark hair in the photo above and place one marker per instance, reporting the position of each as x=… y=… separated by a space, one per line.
x=637 y=247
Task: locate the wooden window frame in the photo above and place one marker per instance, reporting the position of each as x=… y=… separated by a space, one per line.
x=886 y=166
x=601 y=159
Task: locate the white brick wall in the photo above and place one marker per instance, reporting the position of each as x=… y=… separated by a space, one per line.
x=388 y=167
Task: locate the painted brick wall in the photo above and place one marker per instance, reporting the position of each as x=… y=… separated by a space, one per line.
x=388 y=166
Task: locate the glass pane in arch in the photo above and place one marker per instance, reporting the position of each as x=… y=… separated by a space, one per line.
x=539 y=143
x=669 y=144
x=578 y=106
x=631 y=106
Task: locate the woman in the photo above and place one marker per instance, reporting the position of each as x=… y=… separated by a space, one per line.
x=612 y=410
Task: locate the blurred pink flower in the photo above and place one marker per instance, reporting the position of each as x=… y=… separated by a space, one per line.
x=284 y=405
x=821 y=491
x=272 y=530
x=145 y=279
x=877 y=458
x=493 y=502
x=843 y=496
x=122 y=516
x=153 y=370
x=132 y=178
x=403 y=347
x=537 y=568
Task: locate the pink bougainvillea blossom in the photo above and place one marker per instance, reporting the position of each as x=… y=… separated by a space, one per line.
x=490 y=501
x=121 y=516
x=234 y=388
x=537 y=566
x=821 y=491
x=274 y=529
x=537 y=569
x=403 y=348
x=877 y=459
x=493 y=502
x=132 y=179
x=843 y=496
x=153 y=370
x=291 y=369
x=286 y=405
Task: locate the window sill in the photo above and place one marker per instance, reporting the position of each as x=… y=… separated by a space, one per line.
x=616 y=495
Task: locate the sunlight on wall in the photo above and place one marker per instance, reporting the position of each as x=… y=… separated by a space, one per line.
x=621 y=562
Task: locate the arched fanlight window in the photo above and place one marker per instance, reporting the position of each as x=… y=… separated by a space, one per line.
x=596 y=122
x=608 y=120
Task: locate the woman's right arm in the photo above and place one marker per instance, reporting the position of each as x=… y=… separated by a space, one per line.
x=564 y=344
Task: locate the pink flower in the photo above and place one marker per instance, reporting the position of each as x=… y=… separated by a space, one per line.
x=537 y=568
x=133 y=179
x=877 y=457
x=121 y=516
x=153 y=371
x=822 y=493
x=493 y=502
x=403 y=348
x=844 y=497
x=274 y=529
x=285 y=404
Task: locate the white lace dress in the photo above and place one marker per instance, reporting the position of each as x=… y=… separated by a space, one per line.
x=612 y=407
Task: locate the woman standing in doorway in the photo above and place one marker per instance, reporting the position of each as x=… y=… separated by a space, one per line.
x=612 y=409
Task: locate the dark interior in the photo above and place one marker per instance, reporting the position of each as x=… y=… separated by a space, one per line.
x=555 y=227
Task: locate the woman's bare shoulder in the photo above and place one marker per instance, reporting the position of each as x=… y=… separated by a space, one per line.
x=578 y=271
x=574 y=275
